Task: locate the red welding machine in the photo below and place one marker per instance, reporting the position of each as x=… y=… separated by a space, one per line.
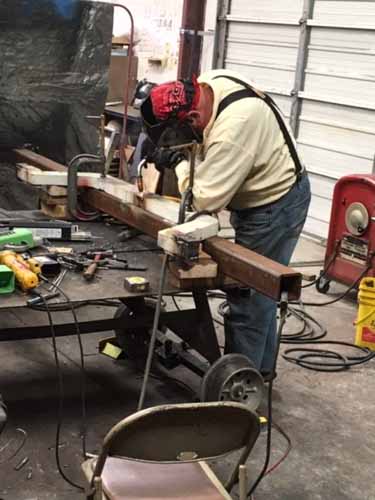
x=351 y=238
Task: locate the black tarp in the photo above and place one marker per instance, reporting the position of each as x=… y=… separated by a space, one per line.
x=54 y=60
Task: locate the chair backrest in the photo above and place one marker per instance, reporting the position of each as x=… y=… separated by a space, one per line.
x=168 y=433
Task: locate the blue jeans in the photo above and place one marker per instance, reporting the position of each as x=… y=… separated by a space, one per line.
x=271 y=230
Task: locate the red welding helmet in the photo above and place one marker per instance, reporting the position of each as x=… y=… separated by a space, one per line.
x=165 y=110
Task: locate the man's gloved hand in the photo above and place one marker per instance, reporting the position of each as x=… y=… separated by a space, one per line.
x=148 y=148
x=164 y=158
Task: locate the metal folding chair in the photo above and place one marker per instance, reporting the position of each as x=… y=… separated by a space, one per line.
x=159 y=453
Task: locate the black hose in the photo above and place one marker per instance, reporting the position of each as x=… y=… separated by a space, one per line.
x=283 y=317
x=324 y=360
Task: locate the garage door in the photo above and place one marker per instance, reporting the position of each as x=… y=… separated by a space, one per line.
x=317 y=59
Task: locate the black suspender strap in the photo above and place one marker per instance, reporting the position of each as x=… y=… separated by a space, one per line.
x=248 y=91
x=235 y=96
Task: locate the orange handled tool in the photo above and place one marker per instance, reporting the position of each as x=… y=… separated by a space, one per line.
x=90 y=271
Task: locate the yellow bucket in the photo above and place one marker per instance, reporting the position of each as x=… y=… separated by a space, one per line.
x=365 y=332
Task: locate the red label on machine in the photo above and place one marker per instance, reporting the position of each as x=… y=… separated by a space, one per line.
x=368 y=334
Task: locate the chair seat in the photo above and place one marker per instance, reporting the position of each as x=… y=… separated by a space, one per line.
x=131 y=480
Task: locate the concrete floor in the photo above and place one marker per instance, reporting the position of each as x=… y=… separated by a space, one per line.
x=329 y=417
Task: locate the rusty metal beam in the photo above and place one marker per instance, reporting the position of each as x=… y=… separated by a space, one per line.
x=236 y=261
x=244 y=265
x=254 y=270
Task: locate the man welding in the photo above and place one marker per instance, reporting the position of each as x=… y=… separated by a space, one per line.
x=248 y=163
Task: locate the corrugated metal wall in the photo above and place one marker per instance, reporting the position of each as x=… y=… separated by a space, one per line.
x=317 y=59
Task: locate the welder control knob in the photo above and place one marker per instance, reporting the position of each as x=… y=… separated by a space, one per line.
x=357 y=218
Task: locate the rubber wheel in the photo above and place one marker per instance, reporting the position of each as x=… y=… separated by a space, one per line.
x=322 y=285
x=134 y=341
x=233 y=377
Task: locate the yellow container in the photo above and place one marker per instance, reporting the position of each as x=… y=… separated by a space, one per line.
x=365 y=332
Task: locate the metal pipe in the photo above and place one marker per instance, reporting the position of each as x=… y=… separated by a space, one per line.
x=221 y=31
x=192 y=26
x=300 y=75
x=72 y=187
x=151 y=348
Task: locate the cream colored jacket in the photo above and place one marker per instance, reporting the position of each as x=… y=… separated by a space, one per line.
x=244 y=160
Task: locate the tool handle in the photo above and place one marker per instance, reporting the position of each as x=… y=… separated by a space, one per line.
x=89 y=273
x=38 y=300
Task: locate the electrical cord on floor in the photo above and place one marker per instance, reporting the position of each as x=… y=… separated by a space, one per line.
x=310 y=331
x=318 y=359
x=151 y=347
x=343 y=295
x=325 y=269
x=277 y=464
x=82 y=368
x=61 y=398
x=283 y=317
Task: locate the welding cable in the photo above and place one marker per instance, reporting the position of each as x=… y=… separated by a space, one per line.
x=325 y=268
x=61 y=399
x=277 y=464
x=311 y=330
x=282 y=321
x=82 y=367
x=151 y=346
x=317 y=359
x=343 y=295
x=82 y=361
x=325 y=360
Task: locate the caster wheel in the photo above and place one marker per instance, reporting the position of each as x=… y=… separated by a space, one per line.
x=135 y=341
x=323 y=284
x=233 y=378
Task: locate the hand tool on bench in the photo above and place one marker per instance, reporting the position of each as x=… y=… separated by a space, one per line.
x=52 y=290
x=90 y=271
x=112 y=261
x=122 y=265
x=26 y=278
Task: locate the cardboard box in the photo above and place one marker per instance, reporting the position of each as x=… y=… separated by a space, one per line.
x=118 y=74
x=123 y=40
